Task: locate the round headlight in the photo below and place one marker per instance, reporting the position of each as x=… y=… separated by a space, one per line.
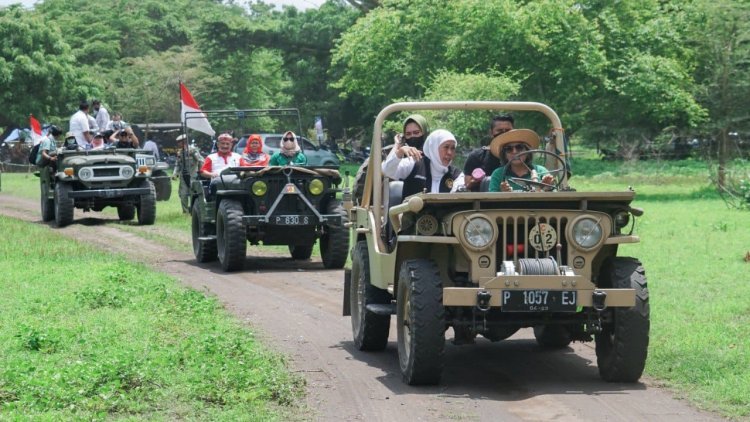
x=587 y=233
x=259 y=188
x=85 y=173
x=622 y=218
x=316 y=187
x=479 y=232
x=126 y=172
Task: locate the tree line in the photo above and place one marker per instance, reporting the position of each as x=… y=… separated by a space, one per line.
x=618 y=72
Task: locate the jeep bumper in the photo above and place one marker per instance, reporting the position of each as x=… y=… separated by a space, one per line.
x=109 y=193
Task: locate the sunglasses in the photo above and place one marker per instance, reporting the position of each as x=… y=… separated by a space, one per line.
x=288 y=139
x=516 y=147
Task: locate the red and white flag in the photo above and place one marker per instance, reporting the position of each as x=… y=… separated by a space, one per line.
x=36 y=129
x=196 y=120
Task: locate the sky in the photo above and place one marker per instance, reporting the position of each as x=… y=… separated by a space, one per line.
x=299 y=4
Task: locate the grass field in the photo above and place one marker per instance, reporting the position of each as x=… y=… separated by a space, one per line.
x=119 y=340
x=692 y=247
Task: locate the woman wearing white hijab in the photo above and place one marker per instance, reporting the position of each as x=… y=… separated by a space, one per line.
x=290 y=153
x=434 y=172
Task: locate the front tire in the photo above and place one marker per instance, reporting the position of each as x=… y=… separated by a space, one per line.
x=420 y=322
x=552 y=336
x=301 y=252
x=334 y=245
x=48 y=205
x=370 y=330
x=125 y=212
x=147 y=205
x=622 y=346
x=204 y=250
x=231 y=238
x=64 y=205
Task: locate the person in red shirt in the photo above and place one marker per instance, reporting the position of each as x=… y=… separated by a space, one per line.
x=223 y=158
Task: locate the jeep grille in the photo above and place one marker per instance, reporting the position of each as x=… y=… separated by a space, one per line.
x=513 y=242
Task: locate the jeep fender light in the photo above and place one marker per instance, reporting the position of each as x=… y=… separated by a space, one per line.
x=68 y=171
x=142 y=169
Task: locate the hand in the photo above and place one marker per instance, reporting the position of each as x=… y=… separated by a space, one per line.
x=548 y=179
x=505 y=187
x=406 y=151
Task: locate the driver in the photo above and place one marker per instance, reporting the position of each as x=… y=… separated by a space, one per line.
x=506 y=147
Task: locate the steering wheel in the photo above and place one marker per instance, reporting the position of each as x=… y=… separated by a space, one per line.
x=529 y=184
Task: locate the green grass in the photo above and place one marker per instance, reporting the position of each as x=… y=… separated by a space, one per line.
x=120 y=341
x=692 y=247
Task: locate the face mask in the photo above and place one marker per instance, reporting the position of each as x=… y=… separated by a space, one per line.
x=417 y=142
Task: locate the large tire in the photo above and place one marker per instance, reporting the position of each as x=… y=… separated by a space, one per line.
x=334 y=244
x=552 y=336
x=622 y=346
x=64 y=205
x=147 y=205
x=48 y=205
x=125 y=212
x=370 y=330
x=163 y=186
x=204 y=250
x=231 y=237
x=420 y=322
x=301 y=252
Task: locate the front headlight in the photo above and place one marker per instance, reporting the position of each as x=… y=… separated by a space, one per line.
x=587 y=233
x=85 y=173
x=259 y=188
x=316 y=187
x=479 y=232
x=126 y=172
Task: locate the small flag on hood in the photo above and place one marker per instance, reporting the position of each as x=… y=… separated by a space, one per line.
x=36 y=129
x=196 y=120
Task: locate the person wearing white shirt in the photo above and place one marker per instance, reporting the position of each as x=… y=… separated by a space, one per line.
x=101 y=114
x=151 y=146
x=79 y=125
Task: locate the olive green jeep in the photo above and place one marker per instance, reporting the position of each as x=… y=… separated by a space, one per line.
x=491 y=263
x=93 y=180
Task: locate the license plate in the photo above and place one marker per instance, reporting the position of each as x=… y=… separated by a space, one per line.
x=291 y=220
x=539 y=300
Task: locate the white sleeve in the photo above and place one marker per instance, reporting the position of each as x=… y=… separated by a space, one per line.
x=397 y=168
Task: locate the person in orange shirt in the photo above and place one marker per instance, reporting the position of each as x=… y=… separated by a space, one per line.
x=253 y=153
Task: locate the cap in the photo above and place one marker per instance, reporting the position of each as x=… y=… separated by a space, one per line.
x=181 y=138
x=99 y=135
x=224 y=136
x=69 y=135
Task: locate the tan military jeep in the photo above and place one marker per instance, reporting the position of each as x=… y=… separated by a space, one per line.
x=491 y=263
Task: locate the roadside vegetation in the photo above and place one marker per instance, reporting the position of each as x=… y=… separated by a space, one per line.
x=121 y=341
x=693 y=247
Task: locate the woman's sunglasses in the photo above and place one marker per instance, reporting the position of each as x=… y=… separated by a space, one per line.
x=288 y=139
x=516 y=147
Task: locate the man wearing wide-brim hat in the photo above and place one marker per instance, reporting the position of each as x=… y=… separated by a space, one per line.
x=506 y=147
x=189 y=160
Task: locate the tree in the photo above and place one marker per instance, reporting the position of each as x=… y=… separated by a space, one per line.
x=38 y=73
x=723 y=75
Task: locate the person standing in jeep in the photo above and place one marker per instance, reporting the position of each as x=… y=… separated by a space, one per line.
x=186 y=168
x=481 y=162
x=79 y=125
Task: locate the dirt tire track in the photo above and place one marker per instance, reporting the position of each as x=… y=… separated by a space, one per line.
x=296 y=308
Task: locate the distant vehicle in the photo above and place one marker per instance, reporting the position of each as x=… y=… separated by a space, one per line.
x=316 y=156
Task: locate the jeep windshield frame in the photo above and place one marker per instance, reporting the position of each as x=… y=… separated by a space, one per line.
x=376 y=183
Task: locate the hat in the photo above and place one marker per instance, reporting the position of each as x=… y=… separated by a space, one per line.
x=526 y=136
x=225 y=136
x=70 y=135
x=181 y=138
x=99 y=135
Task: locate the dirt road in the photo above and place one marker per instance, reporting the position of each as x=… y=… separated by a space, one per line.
x=296 y=308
